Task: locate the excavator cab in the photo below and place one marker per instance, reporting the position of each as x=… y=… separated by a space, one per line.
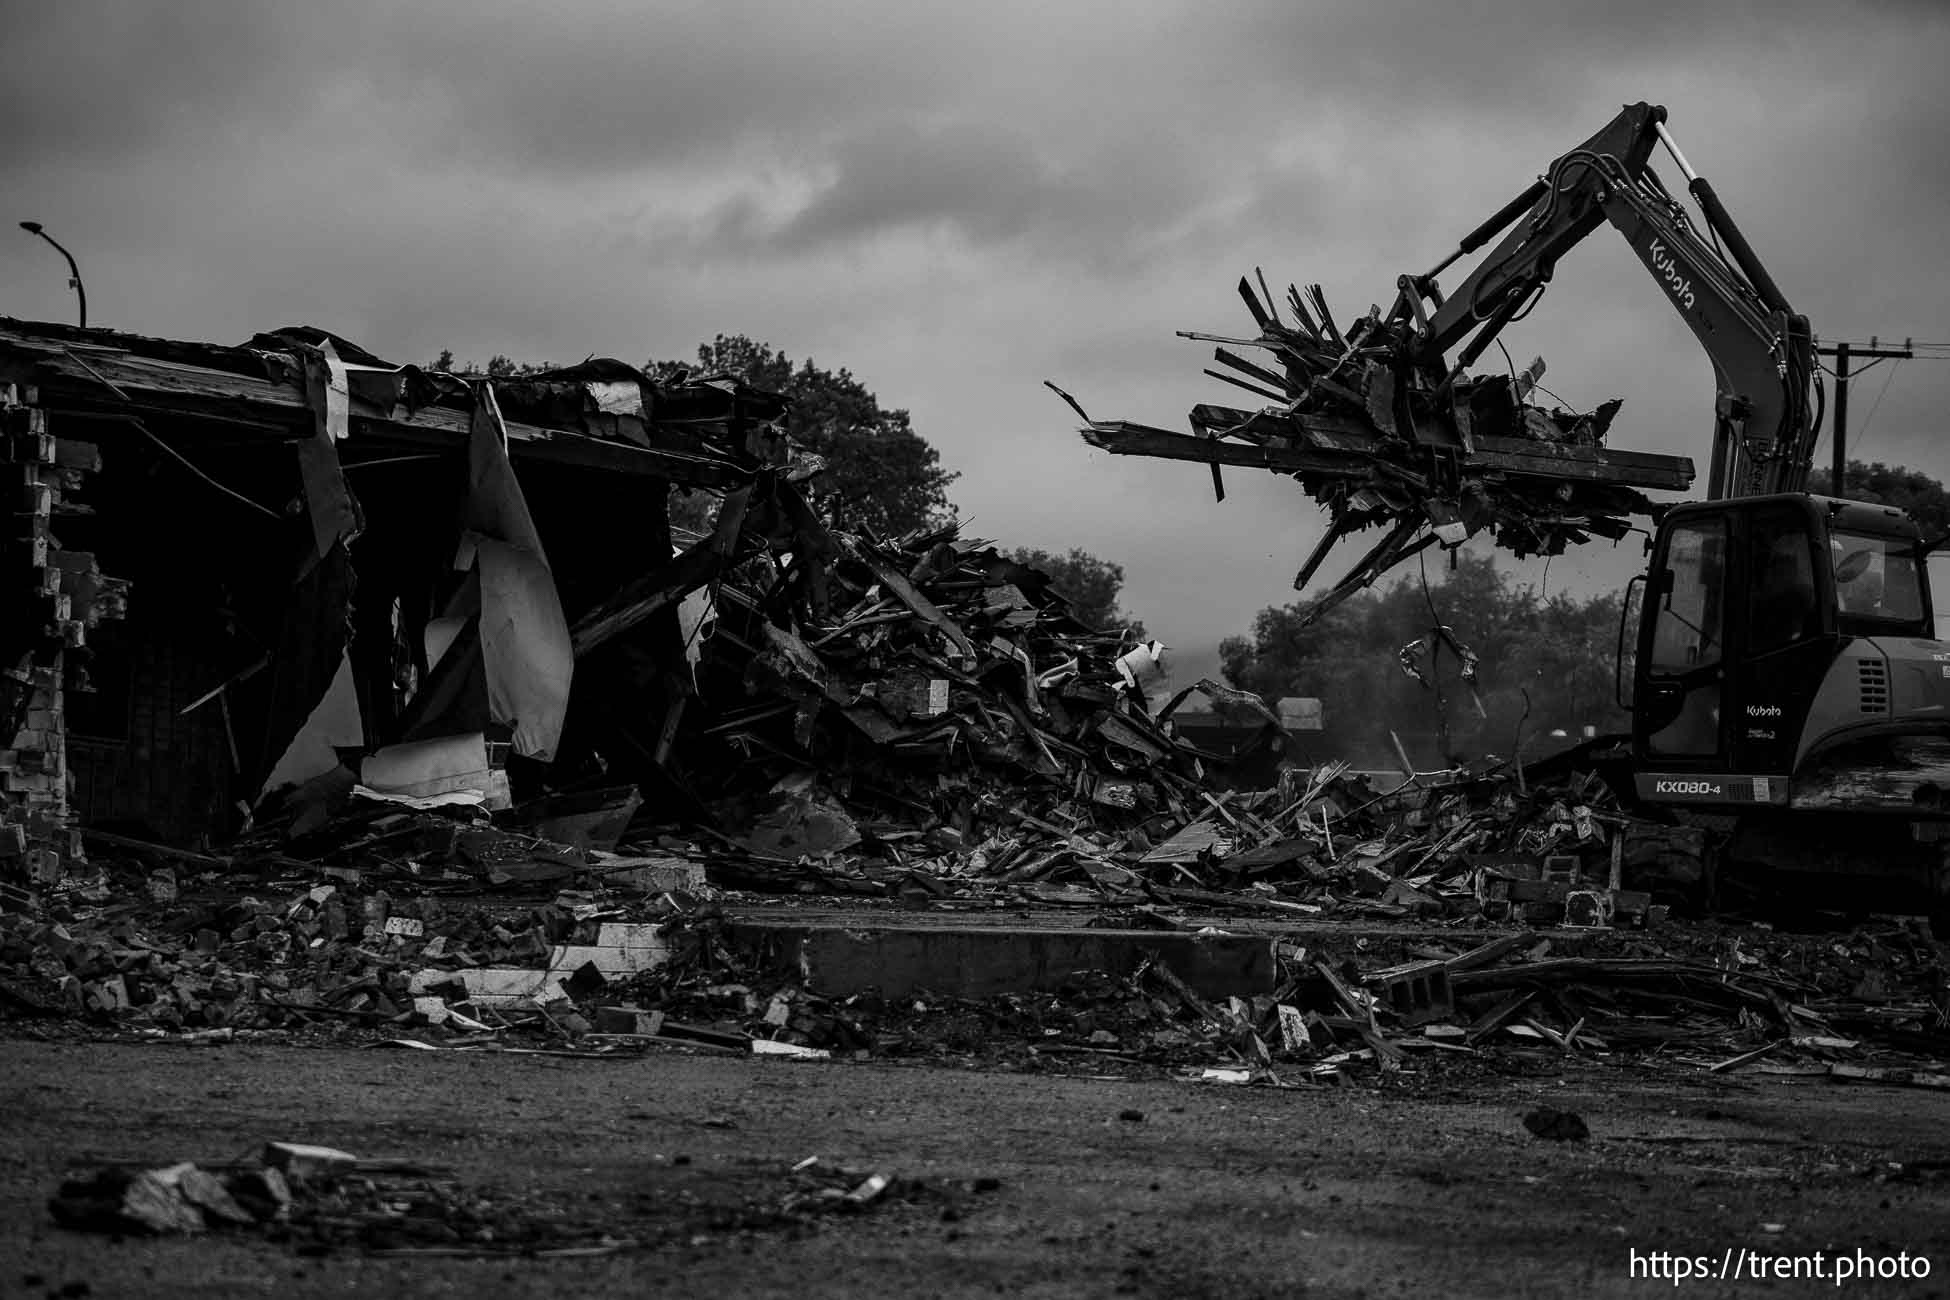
x=1746 y=612
x=1780 y=664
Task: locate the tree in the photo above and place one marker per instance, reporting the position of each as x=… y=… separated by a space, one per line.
x=499 y=366
x=1891 y=485
x=1091 y=585
x=1540 y=664
x=881 y=475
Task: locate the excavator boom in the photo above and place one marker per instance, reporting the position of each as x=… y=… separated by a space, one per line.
x=1762 y=352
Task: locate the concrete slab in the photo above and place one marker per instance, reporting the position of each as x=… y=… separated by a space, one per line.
x=621 y=949
x=494 y=986
x=977 y=962
x=851 y=948
x=840 y=948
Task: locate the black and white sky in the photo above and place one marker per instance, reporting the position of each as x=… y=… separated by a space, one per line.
x=958 y=201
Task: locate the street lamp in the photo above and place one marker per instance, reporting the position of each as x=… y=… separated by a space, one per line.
x=74 y=272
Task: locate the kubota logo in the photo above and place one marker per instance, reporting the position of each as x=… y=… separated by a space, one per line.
x=1668 y=267
x=1685 y=787
x=1763 y=710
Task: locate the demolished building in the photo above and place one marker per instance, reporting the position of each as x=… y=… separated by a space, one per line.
x=259 y=580
x=231 y=567
x=262 y=597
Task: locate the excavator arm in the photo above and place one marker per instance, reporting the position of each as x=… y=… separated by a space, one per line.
x=1762 y=352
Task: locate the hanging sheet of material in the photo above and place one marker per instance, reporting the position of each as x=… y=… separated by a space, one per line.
x=525 y=648
x=328 y=500
x=335 y=723
x=311 y=641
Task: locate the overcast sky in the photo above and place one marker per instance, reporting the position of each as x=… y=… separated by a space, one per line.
x=959 y=201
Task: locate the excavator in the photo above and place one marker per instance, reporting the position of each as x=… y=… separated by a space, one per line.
x=1778 y=656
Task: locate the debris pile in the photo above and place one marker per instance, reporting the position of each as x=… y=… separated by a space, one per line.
x=1323 y=842
x=318 y=1200
x=249 y=943
x=1708 y=997
x=1379 y=438
x=1506 y=954
x=950 y=701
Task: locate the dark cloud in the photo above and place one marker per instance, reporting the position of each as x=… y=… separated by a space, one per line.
x=957 y=202
x=982 y=183
x=985 y=181
x=87 y=82
x=617 y=86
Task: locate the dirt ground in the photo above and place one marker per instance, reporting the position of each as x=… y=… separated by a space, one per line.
x=1429 y=1185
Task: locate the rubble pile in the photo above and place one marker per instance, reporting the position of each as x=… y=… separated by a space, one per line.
x=228 y=950
x=1710 y=997
x=1518 y=945
x=950 y=702
x=1322 y=842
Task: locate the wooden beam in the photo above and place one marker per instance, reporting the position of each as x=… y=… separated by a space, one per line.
x=1510 y=455
x=666 y=584
x=1124 y=439
x=439 y=427
x=92 y=377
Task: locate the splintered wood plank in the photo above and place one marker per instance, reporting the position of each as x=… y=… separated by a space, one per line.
x=667 y=583
x=1259 y=372
x=1594 y=464
x=1141 y=440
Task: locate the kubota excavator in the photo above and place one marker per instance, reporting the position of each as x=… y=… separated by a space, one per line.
x=1778 y=656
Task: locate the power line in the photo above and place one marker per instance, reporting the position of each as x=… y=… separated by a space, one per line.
x=1843 y=352
x=1863 y=438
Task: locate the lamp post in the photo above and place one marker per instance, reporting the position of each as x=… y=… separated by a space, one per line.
x=74 y=272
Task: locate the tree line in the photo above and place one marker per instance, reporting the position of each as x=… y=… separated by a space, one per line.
x=1495 y=665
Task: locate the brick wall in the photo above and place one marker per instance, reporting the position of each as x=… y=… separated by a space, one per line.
x=49 y=599
x=165 y=774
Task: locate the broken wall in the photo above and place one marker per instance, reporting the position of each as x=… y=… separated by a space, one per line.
x=154 y=751
x=57 y=595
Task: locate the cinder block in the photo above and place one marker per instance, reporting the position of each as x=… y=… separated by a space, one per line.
x=1630 y=902
x=18 y=413
x=71 y=453
x=43 y=866
x=1588 y=908
x=1543 y=913
x=1538 y=891
x=1418 y=992
x=1563 y=868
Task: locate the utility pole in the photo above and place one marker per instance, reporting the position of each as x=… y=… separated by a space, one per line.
x=1843 y=353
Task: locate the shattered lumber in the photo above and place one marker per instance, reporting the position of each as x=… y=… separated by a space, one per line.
x=701 y=562
x=1379 y=436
